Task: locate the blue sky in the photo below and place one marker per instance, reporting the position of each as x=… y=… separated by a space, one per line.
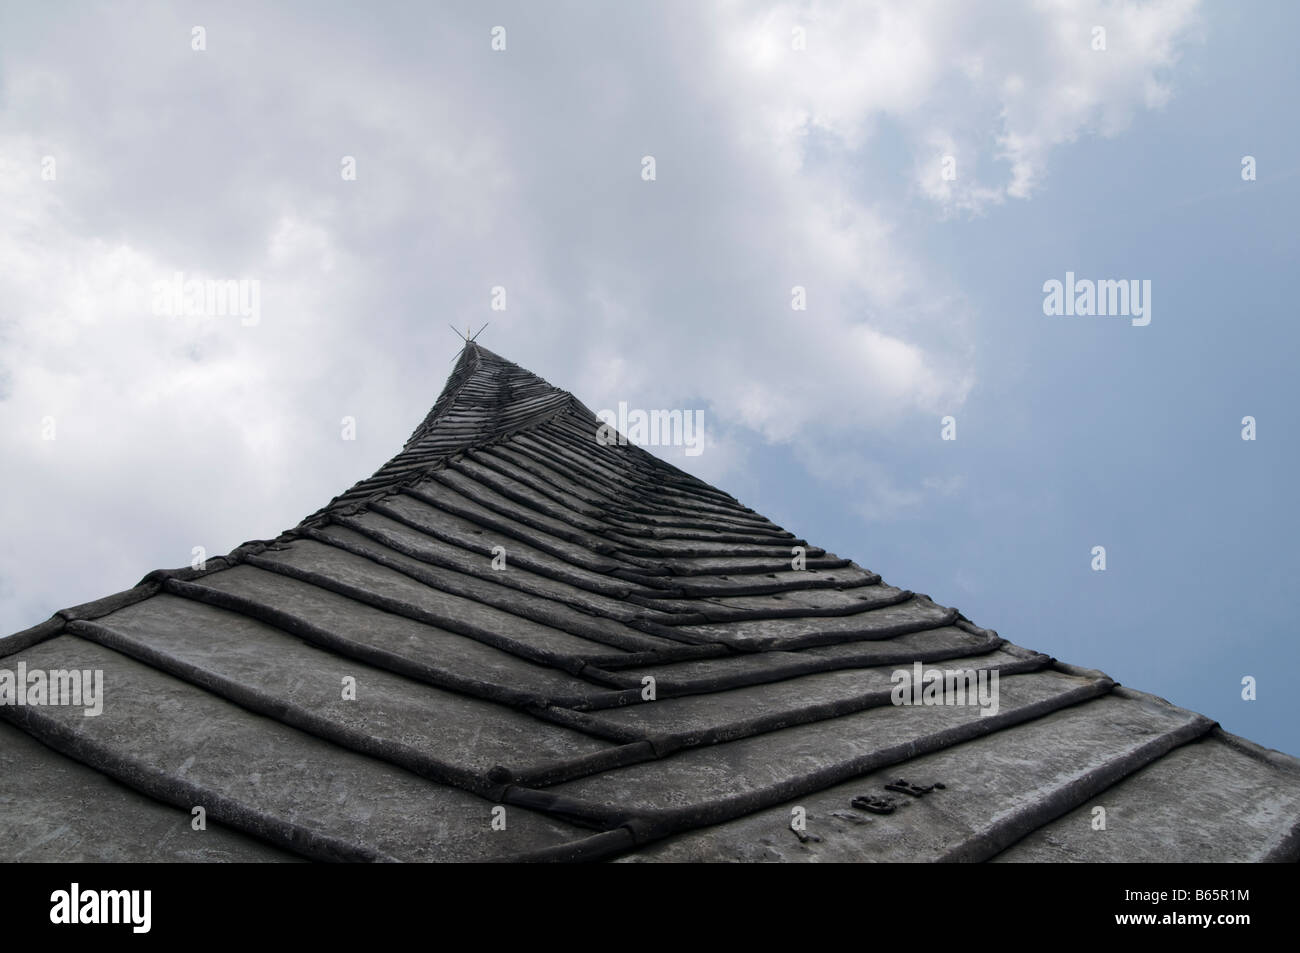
x=1087 y=431
x=776 y=168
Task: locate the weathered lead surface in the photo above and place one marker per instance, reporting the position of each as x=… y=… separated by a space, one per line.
x=889 y=619
x=996 y=789
x=450 y=736
x=57 y=810
x=1219 y=797
x=725 y=715
x=723 y=780
x=178 y=743
x=396 y=642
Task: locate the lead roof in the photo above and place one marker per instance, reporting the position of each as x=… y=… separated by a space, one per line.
x=524 y=688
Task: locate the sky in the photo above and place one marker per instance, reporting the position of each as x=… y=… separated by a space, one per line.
x=914 y=174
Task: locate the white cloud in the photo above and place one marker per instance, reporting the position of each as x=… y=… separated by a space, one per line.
x=994 y=86
x=162 y=427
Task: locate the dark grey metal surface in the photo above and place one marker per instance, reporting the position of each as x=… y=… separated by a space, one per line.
x=646 y=677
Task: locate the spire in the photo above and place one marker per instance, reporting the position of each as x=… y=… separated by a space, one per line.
x=485 y=399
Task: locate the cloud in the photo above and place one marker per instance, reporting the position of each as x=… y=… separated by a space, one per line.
x=997 y=88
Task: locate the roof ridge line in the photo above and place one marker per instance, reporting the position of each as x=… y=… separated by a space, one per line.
x=397 y=472
x=450 y=390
